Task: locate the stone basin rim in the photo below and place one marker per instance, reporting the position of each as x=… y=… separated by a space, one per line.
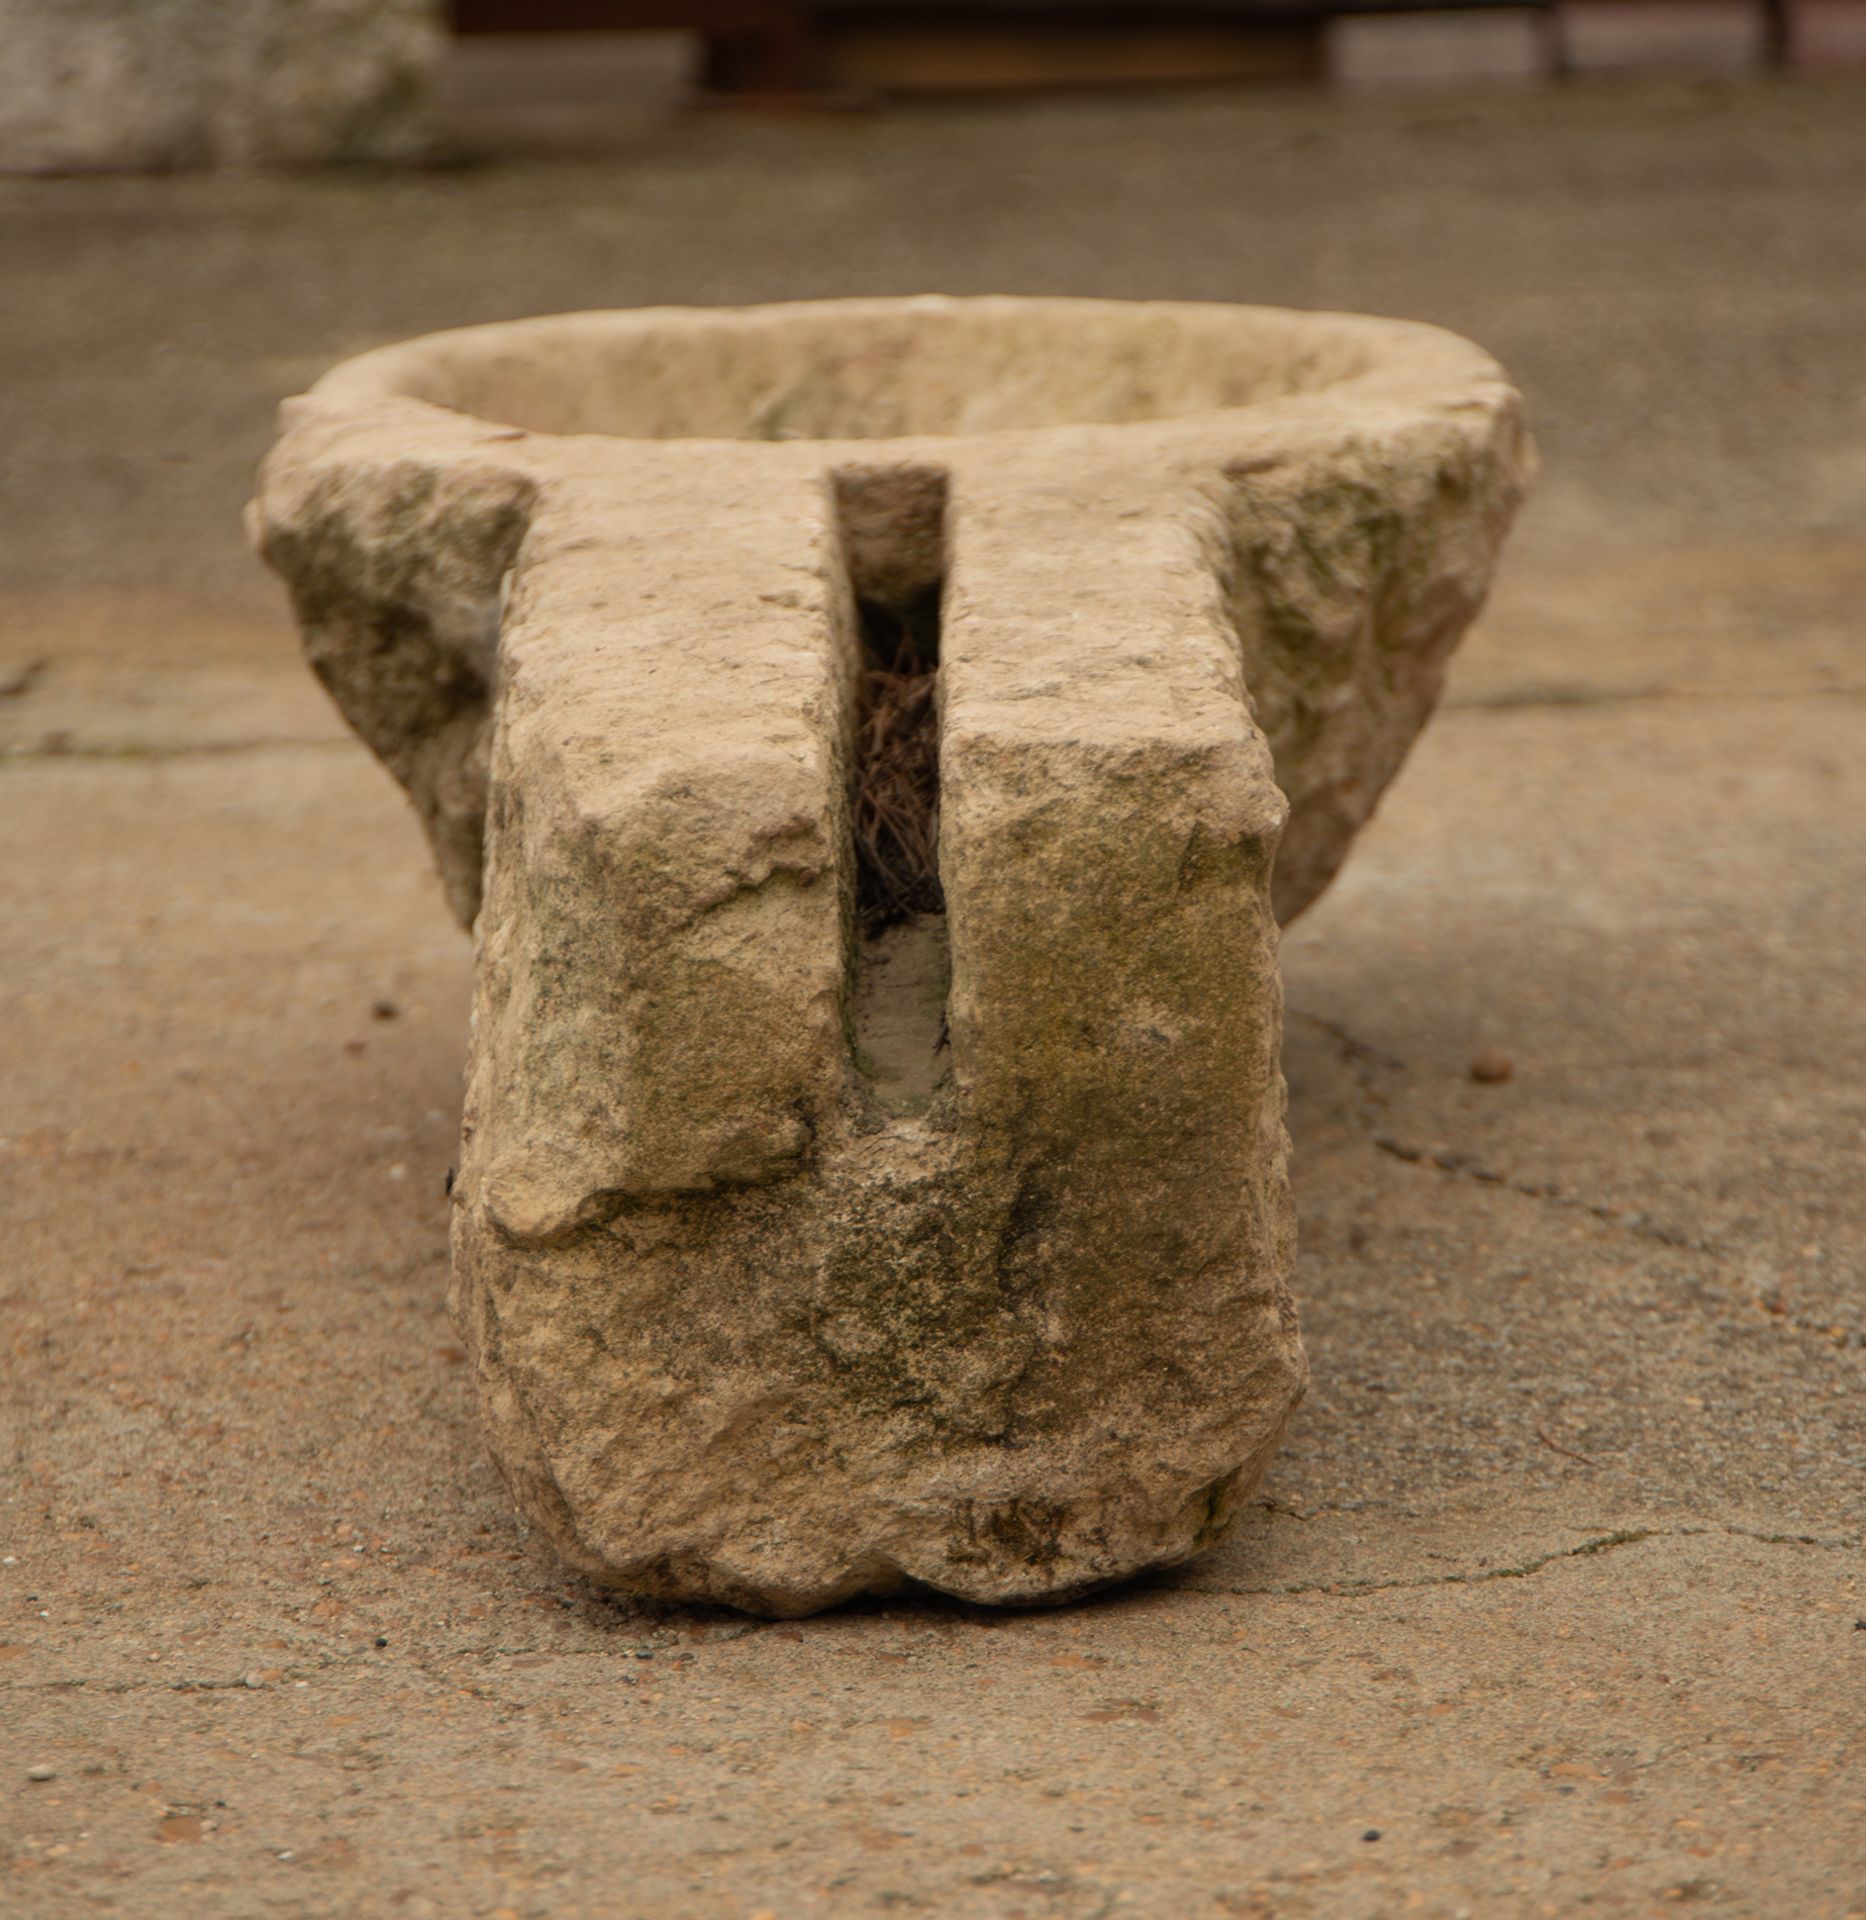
x=926 y=368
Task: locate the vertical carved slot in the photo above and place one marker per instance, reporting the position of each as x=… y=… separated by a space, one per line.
x=894 y=540
x=893 y=524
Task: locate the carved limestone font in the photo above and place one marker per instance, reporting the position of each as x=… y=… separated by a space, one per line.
x=874 y=743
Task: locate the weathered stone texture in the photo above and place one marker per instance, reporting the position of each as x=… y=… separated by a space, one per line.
x=149 y=84
x=793 y=1263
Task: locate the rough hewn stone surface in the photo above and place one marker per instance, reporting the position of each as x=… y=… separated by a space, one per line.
x=785 y=1275
x=139 y=84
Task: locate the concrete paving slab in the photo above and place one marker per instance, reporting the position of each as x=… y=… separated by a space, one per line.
x=1556 y=1585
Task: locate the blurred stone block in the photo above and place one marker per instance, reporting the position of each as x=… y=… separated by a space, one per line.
x=1709 y=36
x=112 y=85
x=1828 y=33
x=1367 y=52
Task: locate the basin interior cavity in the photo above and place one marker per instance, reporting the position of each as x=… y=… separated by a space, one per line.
x=855 y=370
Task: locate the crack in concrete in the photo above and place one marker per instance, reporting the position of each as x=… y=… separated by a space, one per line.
x=1578 y=696
x=1469 y=1167
x=22 y=680
x=1363 y=1060
x=132 y=752
x=1598 y=1544
x=339 y=1663
x=1627 y=1219
x=1522 y=1570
